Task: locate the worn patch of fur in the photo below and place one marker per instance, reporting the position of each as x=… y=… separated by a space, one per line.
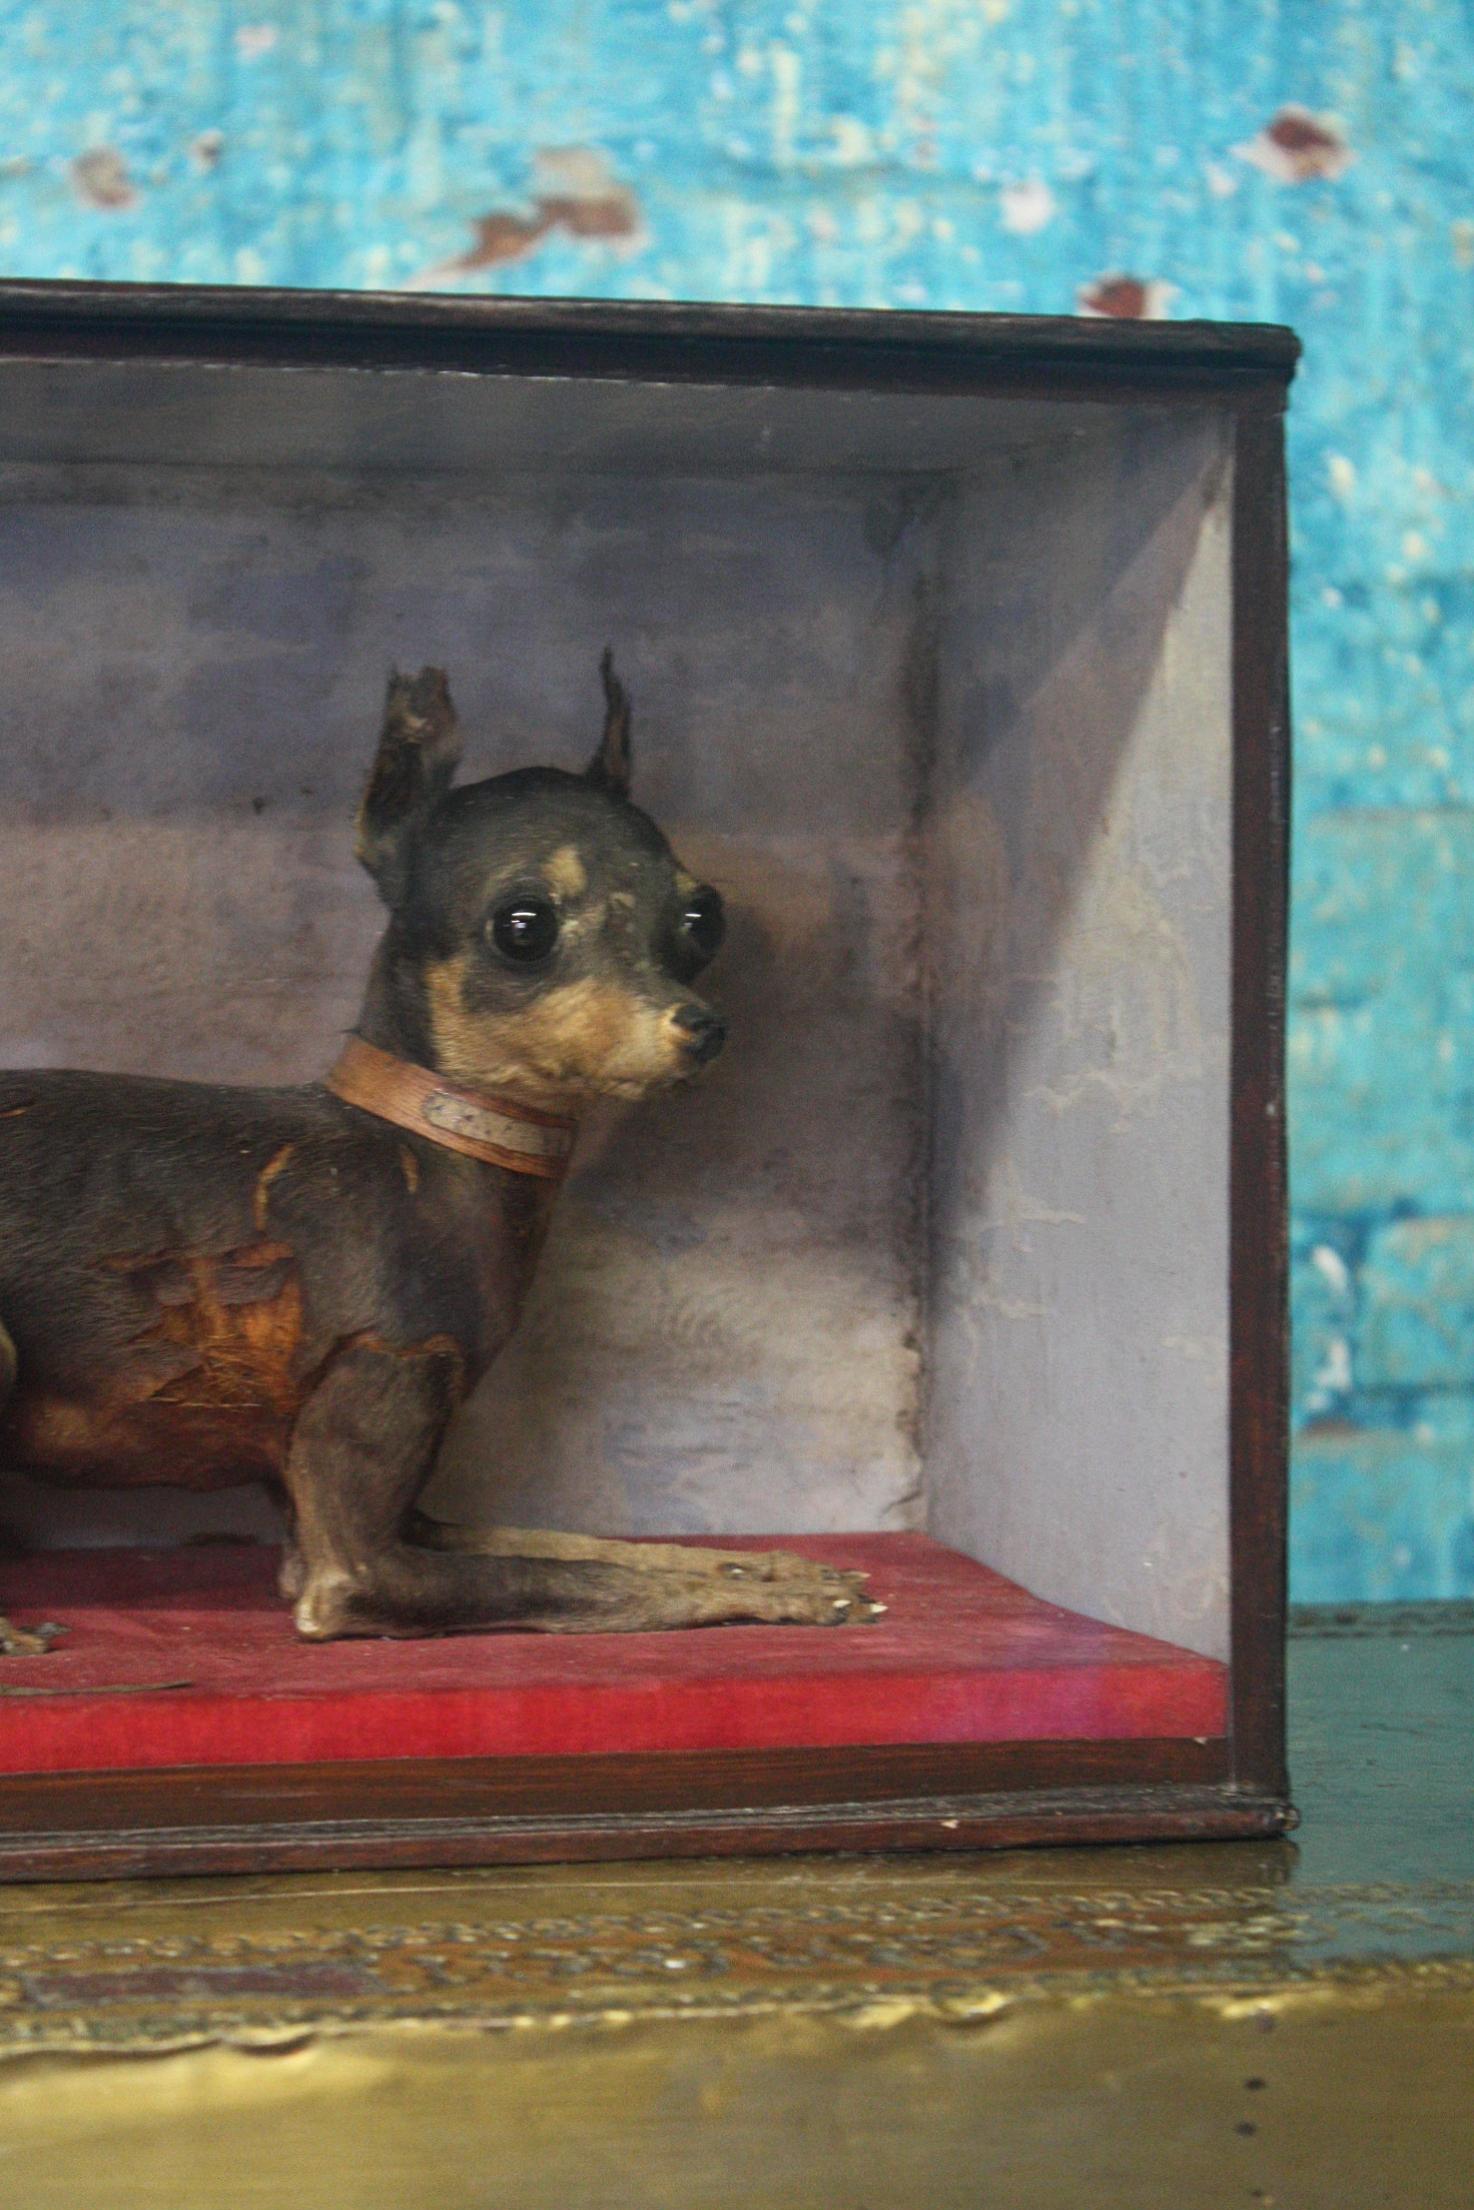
x=213 y=1378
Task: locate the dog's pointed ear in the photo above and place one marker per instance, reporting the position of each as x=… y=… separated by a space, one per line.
x=419 y=748
x=609 y=769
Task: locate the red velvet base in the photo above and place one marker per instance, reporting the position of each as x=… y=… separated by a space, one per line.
x=962 y=1656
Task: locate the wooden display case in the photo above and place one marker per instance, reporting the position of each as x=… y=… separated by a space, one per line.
x=958 y=652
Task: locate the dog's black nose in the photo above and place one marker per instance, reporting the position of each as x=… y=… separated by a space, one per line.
x=704 y=1033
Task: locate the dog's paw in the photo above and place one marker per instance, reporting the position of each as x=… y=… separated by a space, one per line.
x=824 y=1595
x=849 y=1603
x=27 y=1641
x=816 y=1599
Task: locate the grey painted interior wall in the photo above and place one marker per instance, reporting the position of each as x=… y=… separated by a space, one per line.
x=1078 y=1370
x=955 y=746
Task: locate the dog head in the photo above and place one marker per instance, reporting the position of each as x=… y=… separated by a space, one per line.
x=543 y=937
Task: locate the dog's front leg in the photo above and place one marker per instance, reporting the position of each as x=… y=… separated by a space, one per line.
x=364 y=1447
x=692 y=1560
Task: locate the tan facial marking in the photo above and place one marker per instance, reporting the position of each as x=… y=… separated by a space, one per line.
x=587 y=1038
x=566 y=874
x=588 y=923
x=409 y=1167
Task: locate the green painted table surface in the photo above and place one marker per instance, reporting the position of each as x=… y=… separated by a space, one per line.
x=1284 y=2024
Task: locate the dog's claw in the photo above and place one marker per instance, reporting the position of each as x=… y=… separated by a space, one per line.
x=857 y=1609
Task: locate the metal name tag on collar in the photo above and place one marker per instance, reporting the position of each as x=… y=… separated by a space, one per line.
x=498 y=1130
x=459 y=1116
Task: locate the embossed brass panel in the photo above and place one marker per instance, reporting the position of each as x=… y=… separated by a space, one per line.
x=1158 y=2028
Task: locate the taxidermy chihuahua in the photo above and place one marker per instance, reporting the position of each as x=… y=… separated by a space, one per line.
x=202 y=1286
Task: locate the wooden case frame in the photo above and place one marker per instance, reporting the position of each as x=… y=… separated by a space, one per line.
x=945 y=1796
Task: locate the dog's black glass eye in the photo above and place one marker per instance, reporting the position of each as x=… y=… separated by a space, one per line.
x=525 y=928
x=703 y=923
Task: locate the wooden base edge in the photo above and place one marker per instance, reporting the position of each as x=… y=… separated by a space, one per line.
x=1028 y=1819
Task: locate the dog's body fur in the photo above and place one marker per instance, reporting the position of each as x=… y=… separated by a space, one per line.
x=202 y=1285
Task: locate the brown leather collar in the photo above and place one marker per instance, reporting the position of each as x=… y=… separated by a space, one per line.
x=499 y=1130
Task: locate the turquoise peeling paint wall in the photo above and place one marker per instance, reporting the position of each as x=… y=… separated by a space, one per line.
x=1012 y=154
